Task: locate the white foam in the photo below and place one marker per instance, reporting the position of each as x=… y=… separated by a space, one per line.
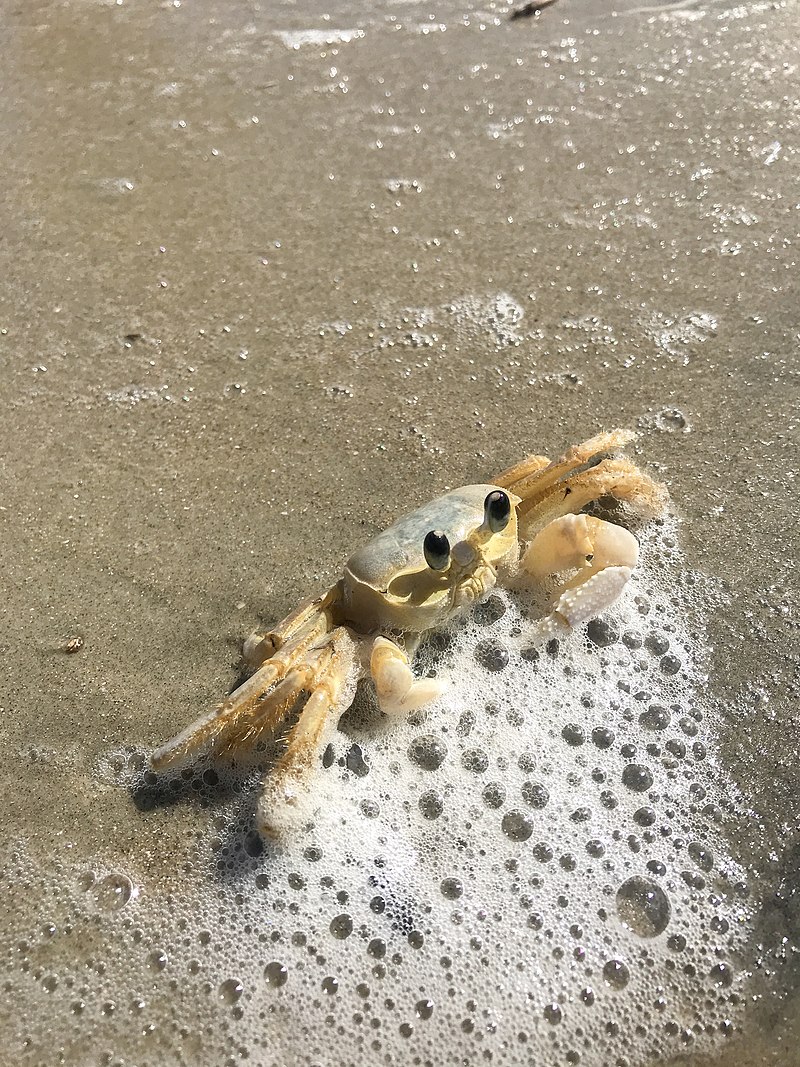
x=532 y=870
x=296 y=39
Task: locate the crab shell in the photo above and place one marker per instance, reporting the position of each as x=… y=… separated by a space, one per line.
x=388 y=585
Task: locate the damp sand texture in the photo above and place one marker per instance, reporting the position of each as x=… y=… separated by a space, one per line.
x=271 y=279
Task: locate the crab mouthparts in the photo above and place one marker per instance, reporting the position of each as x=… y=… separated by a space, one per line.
x=463 y=554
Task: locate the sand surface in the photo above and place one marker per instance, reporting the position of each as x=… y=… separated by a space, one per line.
x=272 y=277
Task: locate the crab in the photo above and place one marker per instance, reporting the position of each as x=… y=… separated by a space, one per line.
x=417 y=575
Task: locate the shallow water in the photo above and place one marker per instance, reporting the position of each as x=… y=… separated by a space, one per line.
x=262 y=294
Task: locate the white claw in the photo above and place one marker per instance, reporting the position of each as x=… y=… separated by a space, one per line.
x=399 y=691
x=592 y=597
x=604 y=556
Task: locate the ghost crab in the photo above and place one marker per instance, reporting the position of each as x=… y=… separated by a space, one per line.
x=419 y=573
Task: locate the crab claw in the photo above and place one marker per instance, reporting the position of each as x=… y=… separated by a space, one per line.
x=603 y=555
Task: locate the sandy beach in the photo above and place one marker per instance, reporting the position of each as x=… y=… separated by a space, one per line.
x=271 y=278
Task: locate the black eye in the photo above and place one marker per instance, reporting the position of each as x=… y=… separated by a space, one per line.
x=497 y=510
x=437 y=550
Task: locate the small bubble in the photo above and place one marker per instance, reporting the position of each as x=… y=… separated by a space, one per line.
x=49 y=982
x=693 y=880
x=632 y=640
x=637 y=778
x=644 y=817
x=276 y=974
x=677 y=942
x=602 y=737
x=535 y=794
x=722 y=975
x=424 y=1009
x=377 y=948
x=701 y=856
x=573 y=734
x=657 y=643
x=643 y=906
x=670 y=665
x=552 y=1014
x=428 y=752
x=451 y=888
x=475 y=760
x=230 y=990
x=517 y=826
x=671 y=419
x=157 y=960
x=330 y=985
x=494 y=794
x=602 y=633
x=655 y=718
x=489 y=611
x=114 y=891
x=491 y=655
x=431 y=804
x=616 y=974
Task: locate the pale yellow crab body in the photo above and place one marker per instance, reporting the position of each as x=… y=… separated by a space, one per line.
x=388 y=585
x=420 y=573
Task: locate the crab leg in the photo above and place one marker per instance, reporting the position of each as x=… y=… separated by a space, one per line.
x=262 y=646
x=617 y=478
x=604 y=556
x=399 y=691
x=521 y=473
x=234 y=716
x=543 y=473
x=331 y=684
x=584 y=473
x=267 y=715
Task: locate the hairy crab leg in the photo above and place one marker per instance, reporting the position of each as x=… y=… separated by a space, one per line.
x=536 y=483
x=617 y=478
x=522 y=472
x=210 y=729
x=264 y=718
x=332 y=690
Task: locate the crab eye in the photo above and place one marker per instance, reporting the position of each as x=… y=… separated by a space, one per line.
x=437 y=550
x=497 y=510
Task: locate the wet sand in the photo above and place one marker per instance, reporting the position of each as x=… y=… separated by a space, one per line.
x=262 y=293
